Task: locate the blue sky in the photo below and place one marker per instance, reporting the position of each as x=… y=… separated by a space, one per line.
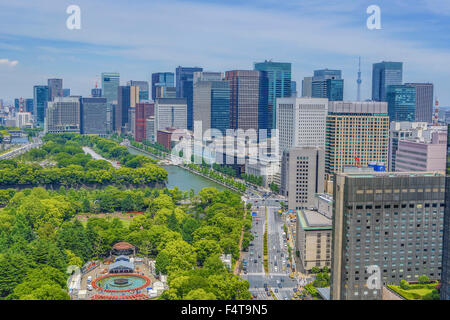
x=138 y=37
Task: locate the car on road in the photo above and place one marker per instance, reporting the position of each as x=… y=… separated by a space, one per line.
x=276 y=290
x=268 y=293
x=89 y=287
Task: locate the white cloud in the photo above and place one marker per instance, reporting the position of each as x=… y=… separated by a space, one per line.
x=7 y=62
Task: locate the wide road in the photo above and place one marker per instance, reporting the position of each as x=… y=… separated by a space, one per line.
x=278 y=279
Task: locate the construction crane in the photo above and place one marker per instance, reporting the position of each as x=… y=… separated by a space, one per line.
x=357 y=162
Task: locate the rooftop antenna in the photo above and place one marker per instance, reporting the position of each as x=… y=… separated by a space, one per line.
x=359 y=81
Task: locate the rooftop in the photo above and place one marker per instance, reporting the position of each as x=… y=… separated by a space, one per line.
x=313 y=220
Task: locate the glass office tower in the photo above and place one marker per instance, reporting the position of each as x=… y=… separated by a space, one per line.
x=40 y=98
x=328 y=84
x=110 y=85
x=401 y=102
x=185 y=89
x=384 y=74
x=279 y=86
x=162 y=79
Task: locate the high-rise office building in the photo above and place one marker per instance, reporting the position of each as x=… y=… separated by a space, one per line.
x=302 y=176
x=127 y=97
x=40 y=98
x=294 y=92
x=17 y=104
x=386 y=222
x=211 y=101
x=143 y=88
x=328 y=84
x=401 y=102
x=279 y=86
x=66 y=92
x=166 y=92
x=307 y=87
x=384 y=74
x=162 y=80
x=29 y=105
x=301 y=122
x=170 y=113
x=94 y=116
x=185 y=89
x=96 y=92
x=424 y=101
x=356 y=129
x=110 y=85
x=445 y=277
x=248 y=99
x=144 y=110
x=63 y=115
x=55 y=88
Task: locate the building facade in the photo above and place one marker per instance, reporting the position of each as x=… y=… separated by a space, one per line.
x=248 y=99
x=422 y=155
x=40 y=99
x=279 y=86
x=356 y=129
x=55 y=88
x=302 y=176
x=424 y=101
x=143 y=111
x=401 y=102
x=63 y=115
x=445 y=278
x=143 y=88
x=328 y=84
x=170 y=113
x=162 y=80
x=185 y=89
x=307 y=87
x=301 y=122
x=388 y=222
x=313 y=242
x=211 y=102
x=94 y=116
x=385 y=73
x=110 y=85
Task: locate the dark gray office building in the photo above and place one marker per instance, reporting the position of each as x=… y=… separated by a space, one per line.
x=94 y=116
x=185 y=89
x=384 y=74
x=55 y=88
x=424 y=101
x=388 y=221
x=40 y=99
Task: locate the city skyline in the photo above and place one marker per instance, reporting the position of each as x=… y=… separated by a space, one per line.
x=43 y=48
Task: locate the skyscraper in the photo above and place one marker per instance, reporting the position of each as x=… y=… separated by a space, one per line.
x=55 y=88
x=94 y=116
x=96 y=92
x=161 y=80
x=401 y=102
x=328 y=84
x=390 y=222
x=307 y=87
x=143 y=88
x=110 y=84
x=40 y=98
x=424 y=101
x=445 y=278
x=63 y=115
x=29 y=105
x=66 y=92
x=144 y=110
x=384 y=74
x=302 y=176
x=301 y=122
x=279 y=86
x=356 y=129
x=128 y=96
x=185 y=89
x=294 y=89
x=211 y=101
x=248 y=99
x=170 y=113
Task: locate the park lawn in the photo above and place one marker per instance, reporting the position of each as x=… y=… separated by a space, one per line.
x=414 y=293
x=125 y=220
